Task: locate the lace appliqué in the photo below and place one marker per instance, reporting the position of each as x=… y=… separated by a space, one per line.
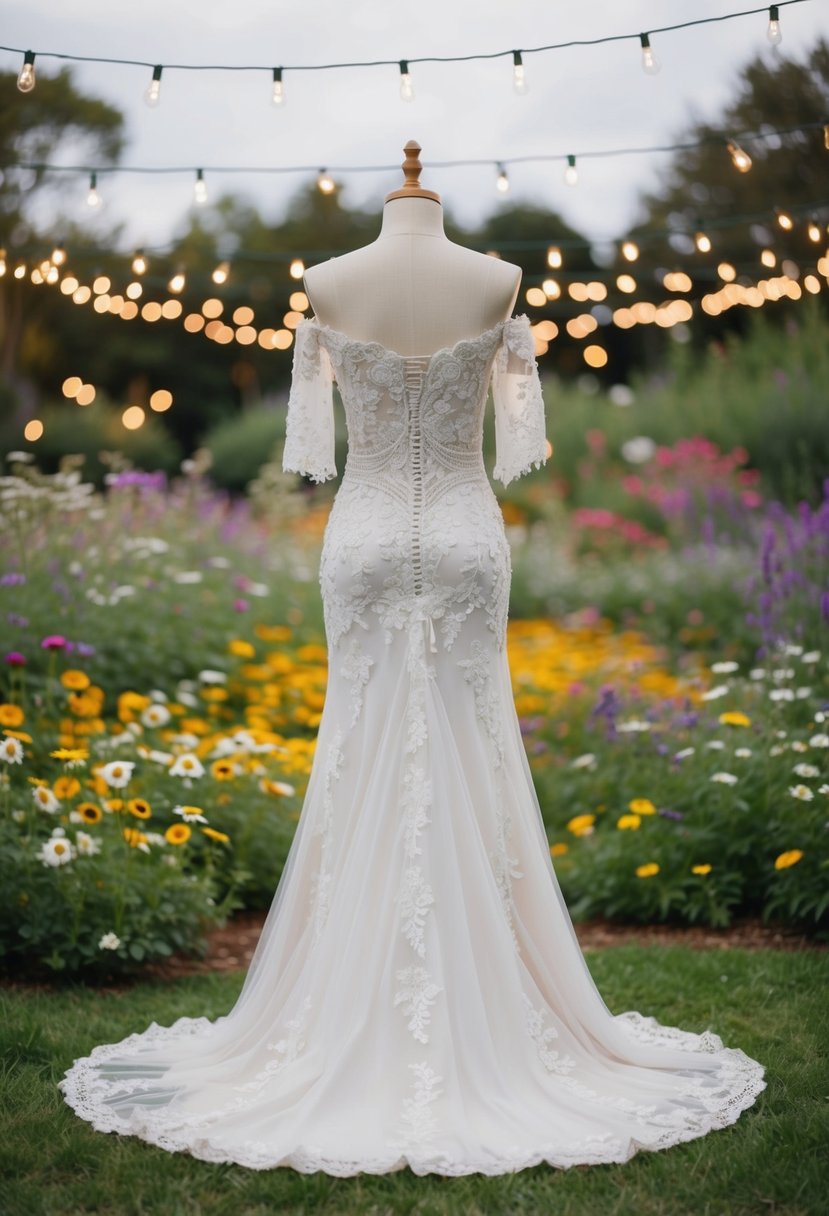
x=542 y=1036
x=309 y=431
x=417 y=1121
x=416 y=995
x=321 y=881
x=520 y=438
x=355 y=668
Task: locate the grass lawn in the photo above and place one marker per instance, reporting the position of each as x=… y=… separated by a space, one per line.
x=773 y=1160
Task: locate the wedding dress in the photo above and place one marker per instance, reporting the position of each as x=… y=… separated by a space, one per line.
x=418 y=995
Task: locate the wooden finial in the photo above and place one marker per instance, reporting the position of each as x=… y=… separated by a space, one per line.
x=411 y=187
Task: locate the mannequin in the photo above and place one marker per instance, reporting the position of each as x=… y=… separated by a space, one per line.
x=412 y=290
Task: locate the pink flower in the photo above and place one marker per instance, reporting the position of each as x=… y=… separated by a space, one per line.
x=15 y=659
x=53 y=642
x=750 y=498
x=240 y=605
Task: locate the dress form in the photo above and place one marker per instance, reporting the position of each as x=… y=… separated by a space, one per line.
x=412 y=289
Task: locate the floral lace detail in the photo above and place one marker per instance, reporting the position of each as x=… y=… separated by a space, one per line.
x=309 y=432
x=417 y=1121
x=322 y=878
x=520 y=439
x=416 y=994
x=355 y=668
x=542 y=1036
x=285 y=1050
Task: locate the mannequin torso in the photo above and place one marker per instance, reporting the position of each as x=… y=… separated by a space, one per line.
x=412 y=290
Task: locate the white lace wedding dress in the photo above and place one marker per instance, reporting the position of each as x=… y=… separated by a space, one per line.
x=418 y=995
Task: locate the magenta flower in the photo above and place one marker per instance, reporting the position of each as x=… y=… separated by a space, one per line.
x=53 y=642
x=240 y=605
x=15 y=659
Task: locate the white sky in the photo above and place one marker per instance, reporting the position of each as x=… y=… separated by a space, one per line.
x=579 y=99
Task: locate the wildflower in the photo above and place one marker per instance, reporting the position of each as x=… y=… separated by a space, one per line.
x=86 y=845
x=156 y=715
x=792 y=857
x=53 y=642
x=799 y=746
x=136 y=839
x=187 y=765
x=15 y=659
x=223 y=770
x=71 y=756
x=811 y=656
x=212 y=834
x=685 y=753
x=11 y=751
x=633 y=725
x=802 y=792
x=190 y=814
x=109 y=941
x=757 y=673
x=66 y=787
x=56 y=852
x=628 y=821
x=559 y=849
x=819 y=741
x=724 y=778
x=724 y=668
x=734 y=718
x=703 y=869
x=714 y=693
x=776 y=750
x=281 y=788
x=823 y=789
x=647 y=870
x=90 y=812
x=806 y=770
x=781 y=694
x=581 y=825
x=212 y=677
x=588 y=760
x=240 y=648
x=140 y=808
x=76 y=680
x=178 y=833
x=117 y=773
x=716 y=745
x=11 y=715
x=45 y=800
x=743 y=752
x=642 y=806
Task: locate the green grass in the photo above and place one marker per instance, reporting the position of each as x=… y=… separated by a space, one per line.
x=772 y=1004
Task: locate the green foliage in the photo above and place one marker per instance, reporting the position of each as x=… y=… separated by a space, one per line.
x=240 y=446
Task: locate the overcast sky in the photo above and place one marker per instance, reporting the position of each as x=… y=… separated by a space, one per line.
x=578 y=99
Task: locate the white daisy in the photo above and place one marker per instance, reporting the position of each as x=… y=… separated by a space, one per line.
x=110 y=941
x=781 y=694
x=45 y=800
x=686 y=751
x=87 y=845
x=716 y=745
x=588 y=760
x=799 y=746
x=57 y=851
x=819 y=741
x=724 y=668
x=724 y=778
x=802 y=792
x=212 y=677
x=156 y=715
x=806 y=770
x=811 y=656
x=117 y=773
x=776 y=750
x=11 y=750
x=719 y=690
x=757 y=673
x=190 y=814
x=187 y=765
x=743 y=752
x=633 y=724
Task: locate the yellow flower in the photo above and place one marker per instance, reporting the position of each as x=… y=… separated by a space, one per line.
x=559 y=849
x=114 y=804
x=642 y=806
x=788 y=859
x=178 y=833
x=140 y=808
x=581 y=825
x=18 y=734
x=212 y=834
x=66 y=787
x=273 y=633
x=70 y=753
x=628 y=821
x=11 y=715
x=734 y=718
x=223 y=770
x=240 y=648
x=646 y=870
x=90 y=812
x=76 y=680
x=281 y=788
x=134 y=838
x=83 y=705
x=705 y=869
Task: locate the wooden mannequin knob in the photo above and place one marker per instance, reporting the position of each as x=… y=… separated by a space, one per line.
x=411 y=187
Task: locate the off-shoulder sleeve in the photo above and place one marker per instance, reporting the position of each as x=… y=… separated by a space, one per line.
x=520 y=438
x=309 y=434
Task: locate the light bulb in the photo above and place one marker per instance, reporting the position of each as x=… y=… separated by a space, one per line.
x=2 y=262
x=826 y=136
x=502 y=183
x=630 y=251
x=26 y=79
x=814 y=231
x=519 y=82
x=93 y=198
x=571 y=173
x=740 y=159
x=325 y=182
x=785 y=220
x=650 y=64
x=199 y=188
x=278 y=89
x=773 y=32
x=406 y=86
x=221 y=272
x=139 y=263
x=554 y=257
x=702 y=242
x=58 y=256
x=153 y=93
x=297 y=268
x=176 y=284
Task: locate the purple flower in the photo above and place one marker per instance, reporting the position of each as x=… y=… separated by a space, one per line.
x=14 y=618
x=240 y=605
x=53 y=642
x=667 y=813
x=13 y=579
x=15 y=659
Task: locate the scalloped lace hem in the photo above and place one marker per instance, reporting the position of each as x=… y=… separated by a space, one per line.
x=730 y=1091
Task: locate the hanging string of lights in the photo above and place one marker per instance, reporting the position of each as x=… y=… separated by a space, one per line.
x=650 y=65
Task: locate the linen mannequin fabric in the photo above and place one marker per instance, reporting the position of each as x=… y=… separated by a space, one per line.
x=418 y=995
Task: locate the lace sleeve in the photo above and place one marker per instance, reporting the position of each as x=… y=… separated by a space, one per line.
x=309 y=435
x=520 y=439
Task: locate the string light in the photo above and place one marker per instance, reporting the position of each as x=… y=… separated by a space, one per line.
x=784 y=219
x=153 y=93
x=199 y=188
x=3 y=266
x=297 y=268
x=702 y=242
x=741 y=160
x=650 y=64
x=26 y=79
x=406 y=86
x=93 y=198
x=278 y=88
x=571 y=173
x=139 y=262
x=826 y=136
x=630 y=251
x=773 y=32
x=519 y=81
x=177 y=282
x=325 y=182
x=813 y=230
x=502 y=181
x=220 y=274
x=58 y=256
x=554 y=257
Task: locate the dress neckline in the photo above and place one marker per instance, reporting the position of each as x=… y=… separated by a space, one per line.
x=443 y=350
